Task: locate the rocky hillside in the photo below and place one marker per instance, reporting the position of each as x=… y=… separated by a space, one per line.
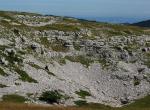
x=51 y=59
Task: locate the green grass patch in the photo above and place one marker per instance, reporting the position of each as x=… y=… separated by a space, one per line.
x=139 y=104
x=50 y=73
x=2 y=86
x=38 y=67
x=59 y=27
x=147 y=61
x=61 y=61
x=24 y=76
x=95 y=106
x=13 y=98
x=6 y=15
x=131 y=47
x=21 y=52
x=81 y=59
x=58 y=46
x=35 y=65
x=80 y=103
x=2 y=72
x=51 y=97
x=70 y=20
x=45 y=42
x=12 y=58
x=103 y=63
x=136 y=81
x=83 y=94
x=76 y=47
x=3 y=47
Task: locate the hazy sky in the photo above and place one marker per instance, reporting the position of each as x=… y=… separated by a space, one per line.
x=89 y=8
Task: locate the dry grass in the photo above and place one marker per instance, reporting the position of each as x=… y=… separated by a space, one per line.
x=15 y=106
x=141 y=104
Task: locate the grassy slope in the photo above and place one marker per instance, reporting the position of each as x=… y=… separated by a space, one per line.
x=70 y=24
x=142 y=104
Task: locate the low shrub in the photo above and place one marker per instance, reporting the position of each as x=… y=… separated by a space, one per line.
x=2 y=72
x=2 y=86
x=83 y=93
x=80 y=103
x=51 y=97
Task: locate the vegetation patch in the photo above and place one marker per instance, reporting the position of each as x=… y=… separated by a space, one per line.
x=24 y=76
x=80 y=103
x=35 y=65
x=2 y=72
x=136 y=81
x=6 y=15
x=139 y=104
x=61 y=61
x=22 y=52
x=70 y=20
x=12 y=58
x=58 y=46
x=2 y=86
x=51 y=96
x=147 y=61
x=76 y=46
x=103 y=63
x=14 y=98
x=131 y=47
x=59 y=27
x=3 y=47
x=83 y=94
x=38 y=67
x=50 y=73
x=45 y=42
x=81 y=59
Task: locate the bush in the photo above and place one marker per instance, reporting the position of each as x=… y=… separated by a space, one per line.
x=12 y=58
x=80 y=102
x=2 y=86
x=51 y=97
x=136 y=81
x=2 y=72
x=83 y=93
x=16 y=31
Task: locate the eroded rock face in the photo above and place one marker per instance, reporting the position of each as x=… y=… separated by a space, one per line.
x=50 y=53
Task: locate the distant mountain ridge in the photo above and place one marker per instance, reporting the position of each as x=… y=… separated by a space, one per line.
x=142 y=23
x=114 y=19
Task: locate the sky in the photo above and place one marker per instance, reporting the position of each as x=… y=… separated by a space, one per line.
x=93 y=9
